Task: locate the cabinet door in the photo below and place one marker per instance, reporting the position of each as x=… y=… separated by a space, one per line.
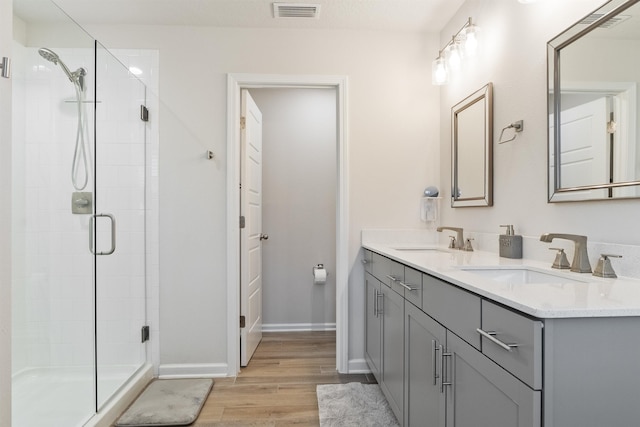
x=482 y=394
x=393 y=350
x=424 y=404
x=373 y=322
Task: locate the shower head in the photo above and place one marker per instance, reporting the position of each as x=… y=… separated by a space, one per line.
x=49 y=55
x=75 y=77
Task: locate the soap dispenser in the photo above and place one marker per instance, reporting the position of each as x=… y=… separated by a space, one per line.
x=510 y=243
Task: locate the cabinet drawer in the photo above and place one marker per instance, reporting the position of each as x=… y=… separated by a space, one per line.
x=456 y=309
x=396 y=277
x=367 y=259
x=413 y=289
x=380 y=267
x=524 y=359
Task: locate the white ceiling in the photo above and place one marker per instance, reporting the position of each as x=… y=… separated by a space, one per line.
x=396 y=15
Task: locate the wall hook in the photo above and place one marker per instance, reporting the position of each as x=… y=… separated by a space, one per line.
x=210 y=155
x=517 y=126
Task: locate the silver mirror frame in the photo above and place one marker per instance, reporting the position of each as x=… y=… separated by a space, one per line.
x=483 y=95
x=556 y=193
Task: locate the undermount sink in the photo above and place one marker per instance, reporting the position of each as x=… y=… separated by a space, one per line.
x=420 y=249
x=520 y=276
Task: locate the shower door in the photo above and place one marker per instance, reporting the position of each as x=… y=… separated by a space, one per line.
x=119 y=224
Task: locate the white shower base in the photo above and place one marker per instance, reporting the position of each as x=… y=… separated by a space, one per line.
x=64 y=396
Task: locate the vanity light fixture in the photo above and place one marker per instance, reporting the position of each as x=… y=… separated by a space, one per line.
x=463 y=44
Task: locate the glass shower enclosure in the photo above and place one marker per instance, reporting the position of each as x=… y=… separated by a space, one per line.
x=79 y=229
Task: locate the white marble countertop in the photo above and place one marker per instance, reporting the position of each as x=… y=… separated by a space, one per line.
x=582 y=295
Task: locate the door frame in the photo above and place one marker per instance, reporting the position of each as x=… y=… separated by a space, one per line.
x=236 y=82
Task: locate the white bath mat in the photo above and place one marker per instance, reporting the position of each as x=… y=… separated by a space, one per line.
x=167 y=403
x=354 y=405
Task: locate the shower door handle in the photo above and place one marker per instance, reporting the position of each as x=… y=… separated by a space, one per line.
x=92 y=231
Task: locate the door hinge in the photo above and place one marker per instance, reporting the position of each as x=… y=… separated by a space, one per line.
x=611 y=125
x=144 y=113
x=243 y=122
x=145 y=333
x=242 y=222
x=242 y=321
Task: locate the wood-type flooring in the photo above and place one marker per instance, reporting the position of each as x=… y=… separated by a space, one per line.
x=278 y=388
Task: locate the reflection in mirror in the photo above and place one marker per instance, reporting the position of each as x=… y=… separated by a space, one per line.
x=471 y=150
x=593 y=117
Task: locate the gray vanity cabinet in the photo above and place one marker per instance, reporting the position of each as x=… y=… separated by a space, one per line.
x=447 y=357
x=424 y=393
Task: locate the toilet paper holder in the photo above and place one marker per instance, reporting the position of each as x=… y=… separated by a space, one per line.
x=319 y=274
x=317 y=267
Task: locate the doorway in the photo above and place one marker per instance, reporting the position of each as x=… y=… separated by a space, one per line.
x=237 y=82
x=298 y=205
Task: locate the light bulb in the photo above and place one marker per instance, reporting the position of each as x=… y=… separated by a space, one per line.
x=471 y=40
x=454 y=57
x=439 y=74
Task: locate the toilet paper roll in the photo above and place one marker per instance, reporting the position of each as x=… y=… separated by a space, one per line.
x=319 y=275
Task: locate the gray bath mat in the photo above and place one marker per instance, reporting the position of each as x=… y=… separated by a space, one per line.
x=353 y=405
x=167 y=403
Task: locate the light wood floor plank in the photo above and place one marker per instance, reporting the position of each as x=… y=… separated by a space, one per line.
x=278 y=388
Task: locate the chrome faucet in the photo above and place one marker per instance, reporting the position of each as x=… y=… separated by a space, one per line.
x=458 y=241
x=580 y=263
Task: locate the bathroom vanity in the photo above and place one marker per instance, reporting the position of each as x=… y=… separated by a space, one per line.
x=463 y=339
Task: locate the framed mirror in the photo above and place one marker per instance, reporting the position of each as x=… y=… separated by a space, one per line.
x=472 y=150
x=593 y=74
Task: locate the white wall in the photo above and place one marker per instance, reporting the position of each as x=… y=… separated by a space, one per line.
x=6 y=37
x=299 y=206
x=513 y=57
x=393 y=139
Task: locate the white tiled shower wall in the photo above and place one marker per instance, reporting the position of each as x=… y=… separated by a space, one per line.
x=53 y=269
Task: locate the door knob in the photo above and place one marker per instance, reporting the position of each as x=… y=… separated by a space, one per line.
x=264 y=236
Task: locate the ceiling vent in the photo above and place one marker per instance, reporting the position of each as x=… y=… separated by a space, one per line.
x=609 y=23
x=296 y=10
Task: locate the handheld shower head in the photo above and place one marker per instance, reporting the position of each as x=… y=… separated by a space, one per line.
x=75 y=76
x=49 y=55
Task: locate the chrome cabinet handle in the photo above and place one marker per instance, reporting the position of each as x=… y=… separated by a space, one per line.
x=393 y=279
x=408 y=287
x=490 y=336
x=375 y=302
x=442 y=356
x=380 y=302
x=434 y=364
x=113 y=233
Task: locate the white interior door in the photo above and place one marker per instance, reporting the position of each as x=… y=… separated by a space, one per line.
x=251 y=235
x=584 y=158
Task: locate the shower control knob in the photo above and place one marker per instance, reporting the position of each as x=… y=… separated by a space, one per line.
x=264 y=237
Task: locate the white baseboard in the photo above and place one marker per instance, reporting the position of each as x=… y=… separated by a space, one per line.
x=358 y=366
x=193 y=370
x=297 y=327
